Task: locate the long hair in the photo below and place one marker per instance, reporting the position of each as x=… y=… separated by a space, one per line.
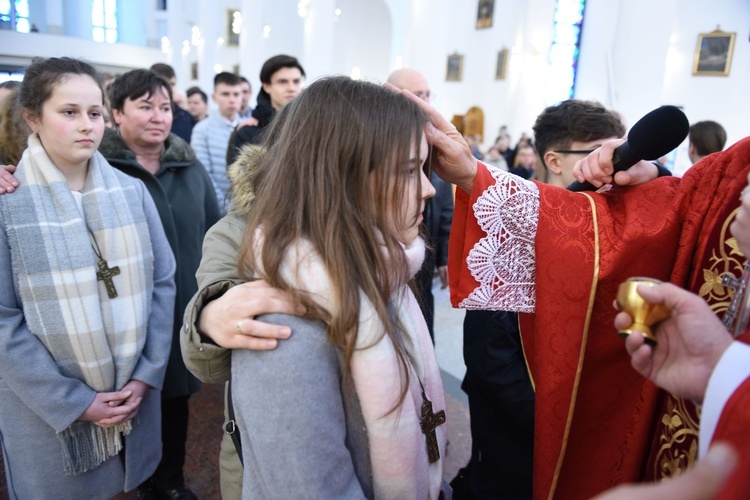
x=330 y=175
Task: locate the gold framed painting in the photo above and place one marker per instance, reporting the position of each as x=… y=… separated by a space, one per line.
x=485 y=11
x=713 y=54
x=502 y=64
x=455 y=68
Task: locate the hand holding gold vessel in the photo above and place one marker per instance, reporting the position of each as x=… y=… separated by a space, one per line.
x=644 y=314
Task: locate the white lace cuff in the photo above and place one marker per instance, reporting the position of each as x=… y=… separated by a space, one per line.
x=503 y=262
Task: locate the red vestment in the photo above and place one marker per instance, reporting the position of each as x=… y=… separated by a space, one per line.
x=595 y=416
x=733 y=428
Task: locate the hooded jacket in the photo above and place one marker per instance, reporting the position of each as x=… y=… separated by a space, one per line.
x=252 y=134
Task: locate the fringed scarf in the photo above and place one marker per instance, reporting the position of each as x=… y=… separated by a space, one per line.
x=91 y=337
x=397 y=446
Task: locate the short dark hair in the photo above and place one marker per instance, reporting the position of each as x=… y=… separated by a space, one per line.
x=245 y=80
x=164 y=70
x=226 y=78
x=10 y=85
x=196 y=90
x=574 y=120
x=276 y=63
x=135 y=84
x=707 y=137
x=43 y=75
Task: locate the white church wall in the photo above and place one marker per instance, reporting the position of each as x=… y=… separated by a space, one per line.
x=635 y=54
x=19 y=48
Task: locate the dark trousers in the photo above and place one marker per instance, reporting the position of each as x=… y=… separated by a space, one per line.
x=174 y=429
x=501 y=407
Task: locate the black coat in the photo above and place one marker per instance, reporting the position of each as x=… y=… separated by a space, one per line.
x=252 y=134
x=187 y=206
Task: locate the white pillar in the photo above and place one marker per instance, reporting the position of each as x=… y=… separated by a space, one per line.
x=132 y=17
x=77 y=18
x=319 y=36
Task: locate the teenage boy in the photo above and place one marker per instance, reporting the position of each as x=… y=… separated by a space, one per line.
x=210 y=136
x=281 y=77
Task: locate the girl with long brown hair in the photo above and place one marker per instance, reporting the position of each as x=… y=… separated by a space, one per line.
x=352 y=404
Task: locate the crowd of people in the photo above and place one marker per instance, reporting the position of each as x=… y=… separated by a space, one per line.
x=289 y=251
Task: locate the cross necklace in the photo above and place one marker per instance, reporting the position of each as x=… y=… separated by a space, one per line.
x=428 y=423
x=105 y=273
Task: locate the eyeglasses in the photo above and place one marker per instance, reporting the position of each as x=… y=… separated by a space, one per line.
x=425 y=96
x=576 y=151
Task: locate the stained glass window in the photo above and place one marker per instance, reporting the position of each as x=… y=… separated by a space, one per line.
x=104 y=21
x=563 y=54
x=14 y=15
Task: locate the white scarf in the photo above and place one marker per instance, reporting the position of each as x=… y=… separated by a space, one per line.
x=91 y=337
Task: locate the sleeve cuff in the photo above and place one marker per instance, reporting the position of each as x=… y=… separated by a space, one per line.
x=733 y=368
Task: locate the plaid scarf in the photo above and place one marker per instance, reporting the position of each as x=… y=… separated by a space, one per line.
x=397 y=446
x=91 y=337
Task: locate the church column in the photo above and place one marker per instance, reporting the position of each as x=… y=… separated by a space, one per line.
x=319 y=36
x=77 y=18
x=212 y=22
x=252 y=53
x=132 y=17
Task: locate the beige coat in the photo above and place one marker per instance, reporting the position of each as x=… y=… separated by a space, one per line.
x=217 y=274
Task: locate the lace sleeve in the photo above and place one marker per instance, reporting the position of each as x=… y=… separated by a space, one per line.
x=503 y=262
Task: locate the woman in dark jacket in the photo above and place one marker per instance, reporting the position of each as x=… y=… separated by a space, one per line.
x=142 y=147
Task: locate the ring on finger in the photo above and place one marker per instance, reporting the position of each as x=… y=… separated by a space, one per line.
x=239 y=326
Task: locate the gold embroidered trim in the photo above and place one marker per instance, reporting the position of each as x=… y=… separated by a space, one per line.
x=678 y=426
x=592 y=296
x=526 y=358
x=726 y=258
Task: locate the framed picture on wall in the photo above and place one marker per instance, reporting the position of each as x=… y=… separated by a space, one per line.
x=455 y=68
x=234 y=27
x=502 y=64
x=194 y=71
x=485 y=10
x=713 y=54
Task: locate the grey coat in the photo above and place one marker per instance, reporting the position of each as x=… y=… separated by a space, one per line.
x=36 y=400
x=303 y=435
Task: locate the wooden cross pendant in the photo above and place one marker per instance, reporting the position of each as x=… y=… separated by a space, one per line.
x=105 y=274
x=428 y=423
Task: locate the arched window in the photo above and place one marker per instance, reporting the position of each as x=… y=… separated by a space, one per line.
x=14 y=15
x=104 y=21
x=563 y=54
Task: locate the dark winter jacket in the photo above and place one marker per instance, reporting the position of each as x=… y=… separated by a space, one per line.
x=185 y=199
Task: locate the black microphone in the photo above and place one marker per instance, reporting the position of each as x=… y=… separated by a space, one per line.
x=653 y=136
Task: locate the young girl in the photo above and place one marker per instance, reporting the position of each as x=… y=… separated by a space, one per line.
x=352 y=405
x=85 y=304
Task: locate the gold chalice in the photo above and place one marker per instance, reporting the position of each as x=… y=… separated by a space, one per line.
x=644 y=314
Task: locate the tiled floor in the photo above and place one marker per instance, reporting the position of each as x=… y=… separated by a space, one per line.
x=206 y=407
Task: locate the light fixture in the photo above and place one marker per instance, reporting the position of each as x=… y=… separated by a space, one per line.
x=220 y=41
x=266 y=30
x=218 y=68
x=236 y=22
x=195 y=36
x=185 y=48
x=302 y=6
x=356 y=73
x=165 y=45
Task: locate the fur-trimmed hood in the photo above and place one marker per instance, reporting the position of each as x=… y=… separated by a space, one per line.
x=176 y=150
x=241 y=174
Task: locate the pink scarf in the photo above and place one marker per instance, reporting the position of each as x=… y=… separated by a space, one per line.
x=398 y=450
